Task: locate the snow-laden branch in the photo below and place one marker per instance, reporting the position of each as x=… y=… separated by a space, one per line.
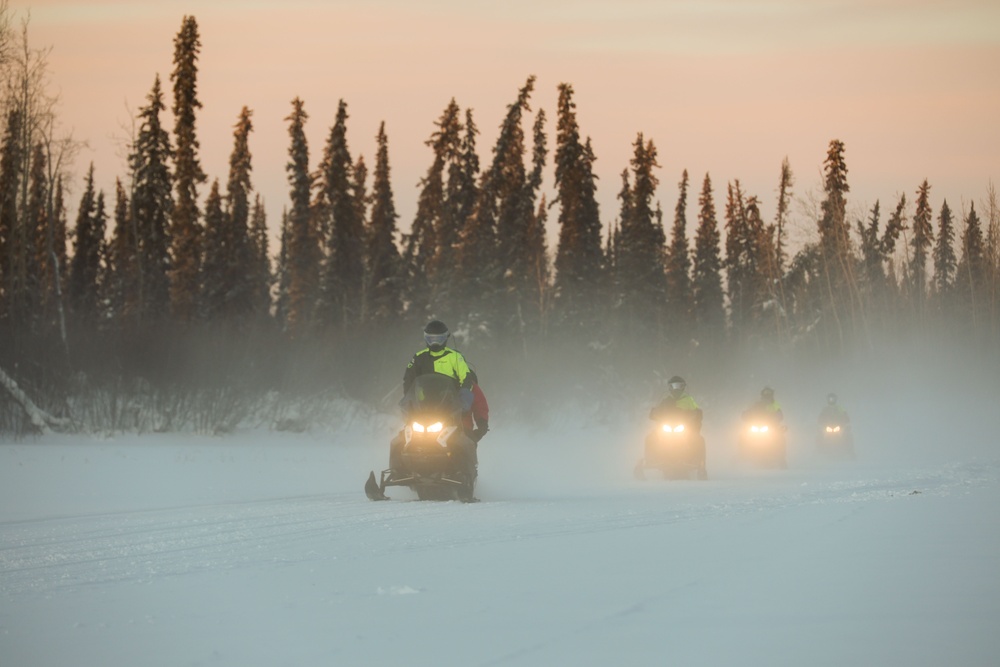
x=40 y=419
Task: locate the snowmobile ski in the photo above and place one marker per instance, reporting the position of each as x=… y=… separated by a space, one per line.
x=373 y=489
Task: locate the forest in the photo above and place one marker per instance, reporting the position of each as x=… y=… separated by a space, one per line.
x=161 y=305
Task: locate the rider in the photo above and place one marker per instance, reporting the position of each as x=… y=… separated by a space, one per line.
x=438 y=358
x=833 y=412
x=678 y=399
x=435 y=358
x=765 y=408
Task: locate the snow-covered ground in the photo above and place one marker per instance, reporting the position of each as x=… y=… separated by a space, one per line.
x=261 y=549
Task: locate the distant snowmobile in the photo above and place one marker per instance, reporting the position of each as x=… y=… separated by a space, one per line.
x=762 y=443
x=432 y=455
x=835 y=441
x=675 y=448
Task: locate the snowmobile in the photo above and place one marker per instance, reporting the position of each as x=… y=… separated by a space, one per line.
x=835 y=441
x=762 y=443
x=675 y=448
x=432 y=454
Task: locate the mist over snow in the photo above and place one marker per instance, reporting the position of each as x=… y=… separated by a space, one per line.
x=260 y=548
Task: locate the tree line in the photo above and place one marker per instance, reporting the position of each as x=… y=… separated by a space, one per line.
x=154 y=282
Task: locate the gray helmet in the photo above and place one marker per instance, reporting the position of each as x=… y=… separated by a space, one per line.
x=436 y=335
x=767 y=394
x=677 y=385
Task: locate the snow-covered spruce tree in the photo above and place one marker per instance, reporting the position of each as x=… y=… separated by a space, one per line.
x=343 y=268
x=152 y=204
x=384 y=276
x=680 y=301
x=706 y=281
x=579 y=260
x=300 y=239
x=185 y=226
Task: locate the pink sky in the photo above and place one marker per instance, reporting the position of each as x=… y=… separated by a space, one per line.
x=727 y=87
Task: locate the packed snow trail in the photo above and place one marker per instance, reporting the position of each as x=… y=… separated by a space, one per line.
x=121 y=553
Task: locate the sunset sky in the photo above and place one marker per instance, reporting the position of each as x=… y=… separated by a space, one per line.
x=728 y=87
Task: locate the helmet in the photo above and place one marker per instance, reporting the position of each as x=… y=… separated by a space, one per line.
x=677 y=385
x=831 y=398
x=767 y=393
x=436 y=335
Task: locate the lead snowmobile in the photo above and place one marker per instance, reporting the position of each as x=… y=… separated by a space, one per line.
x=432 y=454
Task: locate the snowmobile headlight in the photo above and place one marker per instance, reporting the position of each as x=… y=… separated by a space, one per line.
x=435 y=427
x=758 y=429
x=667 y=428
x=418 y=427
x=833 y=429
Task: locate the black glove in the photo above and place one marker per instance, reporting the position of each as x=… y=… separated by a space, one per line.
x=480 y=431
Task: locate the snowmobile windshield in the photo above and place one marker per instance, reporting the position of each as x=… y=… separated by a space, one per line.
x=434 y=393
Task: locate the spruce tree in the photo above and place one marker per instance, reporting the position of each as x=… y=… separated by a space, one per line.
x=85 y=267
x=835 y=250
x=970 y=276
x=343 y=270
x=240 y=262
x=123 y=266
x=186 y=229
x=260 y=274
x=151 y=209
x=301 y=252
x=579 y=255
x=514 y=196
x=37 y=275
x=680 y=299
x=215 y=287
x=944 y=253
x=10 y=161
x=384 y=275
x=923 y=237
x=739 y=261
x=706 y=283
x=640 y=262
x=440 y=219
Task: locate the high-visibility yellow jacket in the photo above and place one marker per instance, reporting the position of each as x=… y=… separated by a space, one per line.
x=445 y=361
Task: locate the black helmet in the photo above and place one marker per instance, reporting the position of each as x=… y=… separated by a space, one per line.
x=677 y=385
x=831 y=398
x=436 y=335
x=767 y=393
